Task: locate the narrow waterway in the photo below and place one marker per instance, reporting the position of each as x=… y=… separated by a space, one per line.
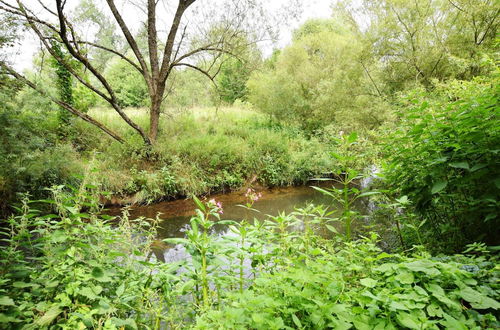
x=175 y=215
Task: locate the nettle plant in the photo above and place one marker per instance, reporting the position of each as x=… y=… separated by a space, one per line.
x=348 y=178
x=355 y=285
x=75 y=270
x=444 y=157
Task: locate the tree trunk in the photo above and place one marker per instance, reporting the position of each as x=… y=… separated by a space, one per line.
x=154 y=115
x=154 y=118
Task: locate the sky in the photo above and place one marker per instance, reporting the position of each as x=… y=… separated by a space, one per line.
x=23 y=53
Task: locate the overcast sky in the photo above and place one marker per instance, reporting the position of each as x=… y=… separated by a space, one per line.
x=311 y=9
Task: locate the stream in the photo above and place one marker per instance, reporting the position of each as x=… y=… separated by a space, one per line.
x=175 y=215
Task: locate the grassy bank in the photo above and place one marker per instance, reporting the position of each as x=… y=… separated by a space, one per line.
x=206 y=150
x=200 y=150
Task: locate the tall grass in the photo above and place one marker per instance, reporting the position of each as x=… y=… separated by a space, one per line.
x=202 y=150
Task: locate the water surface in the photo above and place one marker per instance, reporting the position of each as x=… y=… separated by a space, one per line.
x=175 y=215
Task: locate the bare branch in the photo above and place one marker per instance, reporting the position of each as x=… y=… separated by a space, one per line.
x=123 y=57
x=130 y=39
x=82 y=59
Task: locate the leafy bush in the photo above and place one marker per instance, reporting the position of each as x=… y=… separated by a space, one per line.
x=74 y=269
x=30 y=158
x=445 y=158
x=358 y=286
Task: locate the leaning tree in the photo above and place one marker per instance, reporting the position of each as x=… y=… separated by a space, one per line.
x=194 y=34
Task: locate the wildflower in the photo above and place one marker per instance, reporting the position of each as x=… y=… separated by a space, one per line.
x=215 y=206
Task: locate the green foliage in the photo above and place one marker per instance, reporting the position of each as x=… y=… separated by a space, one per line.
x=319 y=80
x=128 y=83
x=347 y=177
x=188 y=88
x=201 y=151
x=444 y=157
x=73 y=269
x=64 y=84
x=419 y=41
x=30 y=159
x=357 y=286
x=232 y=80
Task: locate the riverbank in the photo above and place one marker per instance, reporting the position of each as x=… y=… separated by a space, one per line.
x=199 y=151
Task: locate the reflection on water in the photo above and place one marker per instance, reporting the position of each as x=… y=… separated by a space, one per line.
x=175 y=215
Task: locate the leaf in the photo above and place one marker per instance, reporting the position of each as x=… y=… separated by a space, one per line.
x=408 y=320
x=368 y=282
x=405 y=278
x=331 y=228
x=396 y=305
x=424 y=266
x=6 y=301
x=352 y=137
x=198 y=203
x=452 y=323
x=49 y=316
x=296 y=321
x=88 y=293
x=463 y=165
x=120 y=290
x=124 y=324
x=477 y=299
x=323 y=191
x=368 y=193
x=438 y=186
x=478 y=167
x=97 y=272
x=186 y=287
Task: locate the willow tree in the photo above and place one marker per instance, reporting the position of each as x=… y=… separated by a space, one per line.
x=186 y=39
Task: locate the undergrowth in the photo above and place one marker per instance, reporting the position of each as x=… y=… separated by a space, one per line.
x=74 y=269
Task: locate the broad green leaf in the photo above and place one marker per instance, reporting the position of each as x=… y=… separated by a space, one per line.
x=323 y=191
x=49 y=316
x=368 y=282
x=296 y=320
x=409 y=320
x=198 y=203
x=396 y=305
x=477 y=299
x=452 y=323
x=405 y=278
x=97 y=272
x=352 y=137
x=331 y=228
x=424 y=266
x=6 y=301
x=438 y=186
x=123 y=323
x=478 y=167
x=462 y=165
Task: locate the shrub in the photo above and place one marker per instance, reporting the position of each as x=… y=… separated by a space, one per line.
x=444 y=157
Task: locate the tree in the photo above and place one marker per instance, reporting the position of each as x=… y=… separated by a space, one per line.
x=419 y=41
x=318 y=80
x=183 y=44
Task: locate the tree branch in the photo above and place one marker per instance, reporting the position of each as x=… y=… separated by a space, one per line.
x=130 y=39
x=64 y=105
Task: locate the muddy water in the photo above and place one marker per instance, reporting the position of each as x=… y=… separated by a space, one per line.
x=175 y=215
